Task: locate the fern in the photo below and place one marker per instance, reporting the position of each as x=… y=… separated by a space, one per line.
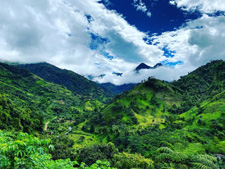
x=204 y=161
x=165 y=150
x=197 y=165
x=179 y=157
x=163 y=157
x=208 y=157
x=168 y=156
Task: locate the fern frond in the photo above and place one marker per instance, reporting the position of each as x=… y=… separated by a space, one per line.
x=178 y=147
x=164 y=157
x=197 y=165
x=178 y=157
x=183 y=166
x=206 y=156
x=165 y=150
x=205 y=160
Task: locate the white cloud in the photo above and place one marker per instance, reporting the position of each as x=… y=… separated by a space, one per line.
x=141 y=6
x=58 y=31
x=205 y=6
x=195 y=44
x=162 y=73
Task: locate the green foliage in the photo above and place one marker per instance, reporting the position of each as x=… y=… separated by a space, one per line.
x=25 y=151
x=169 y=157
x=203 y=83
x=19 y=118
x=178 y=125
x=92 y=153
x=72 y=81
x=63 y=147
x=98 y=165
x=127 y=161
x=21 y=150
x=30 y=98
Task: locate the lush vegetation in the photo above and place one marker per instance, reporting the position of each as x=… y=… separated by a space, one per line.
x=155 y=125
x=25 y=151
x=72 y=81
x=203 y=83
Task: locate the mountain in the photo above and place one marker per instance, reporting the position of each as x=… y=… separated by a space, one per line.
x=147 y=104
x=151 y=116
x=203 y=83
x=24 y=96
x=156 y=124
x=208 y=114
x=74 y=82
x=144 y=66
x=118 y=89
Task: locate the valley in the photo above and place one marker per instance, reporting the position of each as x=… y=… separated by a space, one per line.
x=51 y=116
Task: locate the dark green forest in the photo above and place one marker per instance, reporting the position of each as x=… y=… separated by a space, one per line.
x=53 y=118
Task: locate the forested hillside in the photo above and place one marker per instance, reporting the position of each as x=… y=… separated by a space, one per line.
x=72 y=81
x=22 y=91
x=155 y=125
x=203 y=83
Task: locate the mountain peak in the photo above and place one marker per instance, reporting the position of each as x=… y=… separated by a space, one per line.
x=158 y=65
x=142 y=66
x=145 y=66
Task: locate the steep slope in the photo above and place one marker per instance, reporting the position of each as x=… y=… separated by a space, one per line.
x=28 y=91
x=208 y=114
x=146 y=120
x=151 y=116
x=72 y=81
x=150 y=102
x=17 y=117
x=146 y=105
x=203 y=83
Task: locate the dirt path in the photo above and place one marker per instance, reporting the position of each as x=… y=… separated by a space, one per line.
x=46 y=126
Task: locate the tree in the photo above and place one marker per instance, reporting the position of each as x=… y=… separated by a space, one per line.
x=92 y=153
x=127 y=161
x=168 y=157
x=19 y=150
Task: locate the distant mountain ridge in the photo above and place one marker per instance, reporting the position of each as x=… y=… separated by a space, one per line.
x=118 y=89
x=145 y=66
x=69 y=79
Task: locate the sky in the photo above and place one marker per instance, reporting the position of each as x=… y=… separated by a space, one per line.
x=95 y=37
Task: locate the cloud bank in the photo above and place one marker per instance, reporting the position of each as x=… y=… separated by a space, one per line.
x=59 y=32
x=204 y=6
x=86 y=37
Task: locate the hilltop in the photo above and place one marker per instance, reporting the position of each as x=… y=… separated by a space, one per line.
x=74 y=82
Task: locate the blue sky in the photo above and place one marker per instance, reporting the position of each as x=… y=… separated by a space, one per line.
x=94 y=37
x=164 y=16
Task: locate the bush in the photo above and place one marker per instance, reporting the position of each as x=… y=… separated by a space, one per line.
x=92 y=153
x=128 y=161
